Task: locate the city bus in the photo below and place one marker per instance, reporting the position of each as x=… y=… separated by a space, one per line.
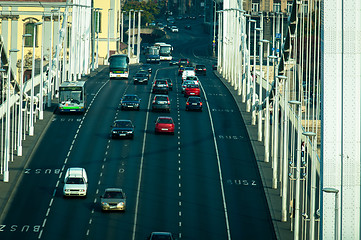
x=118 y=66
x=72 y=97
x=152 y=54
x=165 y=51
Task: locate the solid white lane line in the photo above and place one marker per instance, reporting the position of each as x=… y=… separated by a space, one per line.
x=141 y=166
x=219 y=166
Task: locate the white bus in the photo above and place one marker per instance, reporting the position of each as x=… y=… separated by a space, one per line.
x=118 y=66
x=165 y=51
x=72 y=97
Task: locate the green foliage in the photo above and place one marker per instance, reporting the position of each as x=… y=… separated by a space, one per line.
x=150 y=9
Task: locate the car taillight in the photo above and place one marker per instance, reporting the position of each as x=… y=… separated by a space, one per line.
x=201 y=103
x=153 y=101
x=168 y=102
x=187 y=103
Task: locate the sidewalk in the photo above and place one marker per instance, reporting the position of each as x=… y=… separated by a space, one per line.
x=30 y=145
x=274 y=200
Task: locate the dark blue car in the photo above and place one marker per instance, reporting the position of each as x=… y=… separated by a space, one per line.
x=122 y=129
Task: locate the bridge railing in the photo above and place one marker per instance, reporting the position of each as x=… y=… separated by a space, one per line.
x=279 y=82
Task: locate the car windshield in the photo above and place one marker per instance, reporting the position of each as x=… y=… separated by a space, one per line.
x=165 y=120
x=113 y=194
x=73 y=180
x=123 y=124
x=130 y=98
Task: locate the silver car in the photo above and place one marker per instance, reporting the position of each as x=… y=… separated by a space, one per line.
x=113 y=199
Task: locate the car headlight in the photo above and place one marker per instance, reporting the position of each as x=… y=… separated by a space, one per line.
x=104 y=204
x=114 y=131
x=121 y=204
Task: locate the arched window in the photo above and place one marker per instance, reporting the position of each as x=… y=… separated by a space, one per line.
x=29 y=29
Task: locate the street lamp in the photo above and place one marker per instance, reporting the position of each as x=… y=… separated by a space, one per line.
x=248 y=109
x=138 y=35
x=214 y=29
x=98 y=27
x=122 y=28
x=41 y=85
x=254 y=77
x=110 y=9
x=7 y=126
x=298 y=169
x=31 y=122
x=133 y=31
x=129 y=21
x=312 y=135
x=335 y=191
x=266 y=140
x=20 y=124
x=260 y=112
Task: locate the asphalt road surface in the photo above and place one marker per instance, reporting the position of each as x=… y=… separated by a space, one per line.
x=200 y=183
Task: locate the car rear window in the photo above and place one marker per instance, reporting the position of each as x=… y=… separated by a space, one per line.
x=161 y=98
x=165 y=120
x=193 y=100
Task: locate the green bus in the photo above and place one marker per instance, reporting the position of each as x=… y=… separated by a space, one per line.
x=72 y=97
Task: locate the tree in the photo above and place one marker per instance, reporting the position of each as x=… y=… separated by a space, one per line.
x=150 y=10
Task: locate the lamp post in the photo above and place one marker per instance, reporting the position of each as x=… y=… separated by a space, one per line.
x=266 y=140
x=7 y=123
x=254 y=77
x=20 y=123
x=298 y=169
x=248 y=109
x=312 y=135
x=138 y=35
x=122 y=28
x=260 y=112
x=133 y=31
x=214 y=29
x=98 y=27
x=31 y=120
x=129 y=21
x=335 y=191
x=41 y=85
x=50 y=72
x=110 y=9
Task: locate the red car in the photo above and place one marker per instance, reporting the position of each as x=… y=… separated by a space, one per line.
x=192 y=90
x=164 y=125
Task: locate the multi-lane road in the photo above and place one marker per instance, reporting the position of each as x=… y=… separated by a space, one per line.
x=200 y=183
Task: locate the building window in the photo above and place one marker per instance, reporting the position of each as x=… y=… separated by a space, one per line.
x=289 y=7
x=29 y=29
x=255 y=7
x=277 y=7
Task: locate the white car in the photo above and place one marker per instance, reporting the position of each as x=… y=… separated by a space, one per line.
x=187 y=73
x=174 y=29
x=75 y=182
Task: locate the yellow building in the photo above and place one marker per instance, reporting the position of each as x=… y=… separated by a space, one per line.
x=80 y=36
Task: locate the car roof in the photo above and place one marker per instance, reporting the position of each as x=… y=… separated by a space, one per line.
x=122 y=120
x=130 y=95
x=165 y=117
x=160 y=95
x=113 y=190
